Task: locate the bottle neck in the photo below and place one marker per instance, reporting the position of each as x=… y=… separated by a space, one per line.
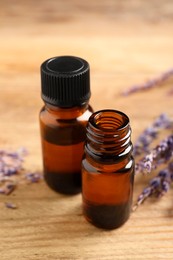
x=66 y=112
x=108 y=137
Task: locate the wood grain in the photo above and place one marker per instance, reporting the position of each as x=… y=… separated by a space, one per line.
x=125 y=43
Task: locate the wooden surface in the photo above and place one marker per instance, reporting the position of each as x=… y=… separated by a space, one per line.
x=125 y=42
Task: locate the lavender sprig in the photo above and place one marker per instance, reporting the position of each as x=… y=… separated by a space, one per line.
x=10 y=205
x=158 y=186
x=11 y=163
x=33 y=177
x=151 y=133
x=150 y=83
x=160 y=154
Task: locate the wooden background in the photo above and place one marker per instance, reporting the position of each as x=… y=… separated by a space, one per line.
x=125 y=42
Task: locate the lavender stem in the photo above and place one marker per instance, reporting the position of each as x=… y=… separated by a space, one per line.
x=150 y=83
x=160 y=154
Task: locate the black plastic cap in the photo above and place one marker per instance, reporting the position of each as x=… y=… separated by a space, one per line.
x=65 y=81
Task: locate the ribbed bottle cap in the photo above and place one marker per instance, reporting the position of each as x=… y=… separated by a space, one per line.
x=65 y=81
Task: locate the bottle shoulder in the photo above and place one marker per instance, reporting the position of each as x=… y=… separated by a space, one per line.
x=58 y=130
x=124 y=166
x=67 y=116
x=85 y=115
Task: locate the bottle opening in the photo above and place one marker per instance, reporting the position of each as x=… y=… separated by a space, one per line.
x=108 y=135
x=109 y=120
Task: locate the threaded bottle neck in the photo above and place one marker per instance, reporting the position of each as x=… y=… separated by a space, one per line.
x=108 y=136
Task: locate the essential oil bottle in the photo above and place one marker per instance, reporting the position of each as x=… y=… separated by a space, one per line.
x=65 y=82
x=108 y=170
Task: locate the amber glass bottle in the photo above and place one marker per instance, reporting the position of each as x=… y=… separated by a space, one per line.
x=66 y=92
x=107 y=169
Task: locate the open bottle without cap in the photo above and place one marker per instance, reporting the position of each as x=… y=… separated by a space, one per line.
x=66 y=91
x=107 y=170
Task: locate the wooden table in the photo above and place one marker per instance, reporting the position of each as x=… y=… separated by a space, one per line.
x=125 y=43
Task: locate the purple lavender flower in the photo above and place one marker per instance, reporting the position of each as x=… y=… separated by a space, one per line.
x=147 y=192
x=150 y=83
x=151 y=133
x=158 y=186
x=160 y=154
x=33 y=177
x=10 y=166
x=11 y=162
x=9 y=187
x=10 y=205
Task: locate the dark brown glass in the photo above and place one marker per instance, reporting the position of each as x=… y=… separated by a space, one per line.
x=108 y=170
x=63 y=132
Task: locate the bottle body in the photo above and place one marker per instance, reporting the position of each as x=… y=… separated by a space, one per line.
x=63 y=132
x=107 y=170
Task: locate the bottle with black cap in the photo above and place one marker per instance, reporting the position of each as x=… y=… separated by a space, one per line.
x=65 y=82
